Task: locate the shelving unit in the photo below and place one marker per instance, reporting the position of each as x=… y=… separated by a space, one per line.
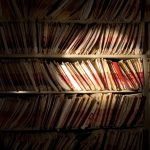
x=70 y=58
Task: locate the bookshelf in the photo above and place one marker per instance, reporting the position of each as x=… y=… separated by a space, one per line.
x=80 y=57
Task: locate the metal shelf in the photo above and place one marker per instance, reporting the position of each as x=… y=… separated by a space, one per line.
x=69 y=21
x=63 y=56
x=67 y=92
x=69 y=130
